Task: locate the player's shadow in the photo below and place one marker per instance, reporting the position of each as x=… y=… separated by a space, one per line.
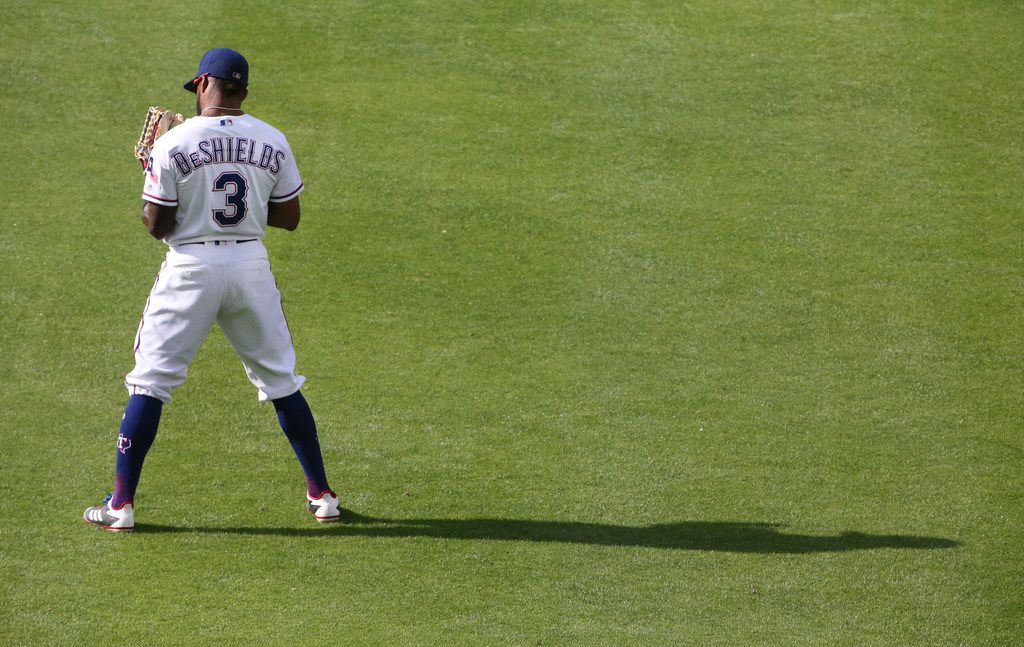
x=721 y=536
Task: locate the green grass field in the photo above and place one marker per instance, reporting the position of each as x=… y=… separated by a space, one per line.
x=625 y=323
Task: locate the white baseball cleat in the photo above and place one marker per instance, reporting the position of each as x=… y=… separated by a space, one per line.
x=325 y=509
x=114 y=519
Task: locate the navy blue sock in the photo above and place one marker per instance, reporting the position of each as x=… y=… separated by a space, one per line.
x=138 y=429
x=297 y=422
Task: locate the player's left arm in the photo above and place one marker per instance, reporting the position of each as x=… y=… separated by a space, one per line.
x=159 y=219
x=284 y=215
x=283 y=207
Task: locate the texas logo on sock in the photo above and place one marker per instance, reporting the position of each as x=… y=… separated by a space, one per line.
x=123 y=444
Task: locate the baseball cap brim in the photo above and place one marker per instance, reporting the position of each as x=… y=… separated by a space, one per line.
x=191 y=85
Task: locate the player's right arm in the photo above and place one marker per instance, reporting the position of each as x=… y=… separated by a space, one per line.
x=159 y=219
x=160 y=191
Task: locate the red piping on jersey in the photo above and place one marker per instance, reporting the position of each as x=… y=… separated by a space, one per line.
x=287 y=195
x=159 y=198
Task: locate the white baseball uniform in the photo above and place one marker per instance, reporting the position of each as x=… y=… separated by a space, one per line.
x=220 y=172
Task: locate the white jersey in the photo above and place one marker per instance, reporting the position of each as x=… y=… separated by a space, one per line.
x=221 y=172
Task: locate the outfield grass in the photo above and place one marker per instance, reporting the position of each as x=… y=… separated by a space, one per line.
x=638 y=323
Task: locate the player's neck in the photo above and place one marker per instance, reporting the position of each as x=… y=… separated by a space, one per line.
x=221 y=111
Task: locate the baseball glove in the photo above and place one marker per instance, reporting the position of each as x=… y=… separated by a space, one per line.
x=158 y=121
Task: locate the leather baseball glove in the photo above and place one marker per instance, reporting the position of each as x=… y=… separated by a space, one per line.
x=158 y=121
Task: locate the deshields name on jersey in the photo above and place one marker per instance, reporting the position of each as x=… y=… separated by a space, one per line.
x=229 y=150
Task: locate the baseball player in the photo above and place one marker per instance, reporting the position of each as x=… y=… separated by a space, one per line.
x=212 y=186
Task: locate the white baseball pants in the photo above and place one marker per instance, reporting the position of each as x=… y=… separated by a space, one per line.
x=230 y=283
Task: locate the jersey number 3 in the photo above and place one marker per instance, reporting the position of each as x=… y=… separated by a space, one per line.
x=234 y=187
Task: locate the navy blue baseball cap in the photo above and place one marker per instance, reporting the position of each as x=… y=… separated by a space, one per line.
x=223 y=63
